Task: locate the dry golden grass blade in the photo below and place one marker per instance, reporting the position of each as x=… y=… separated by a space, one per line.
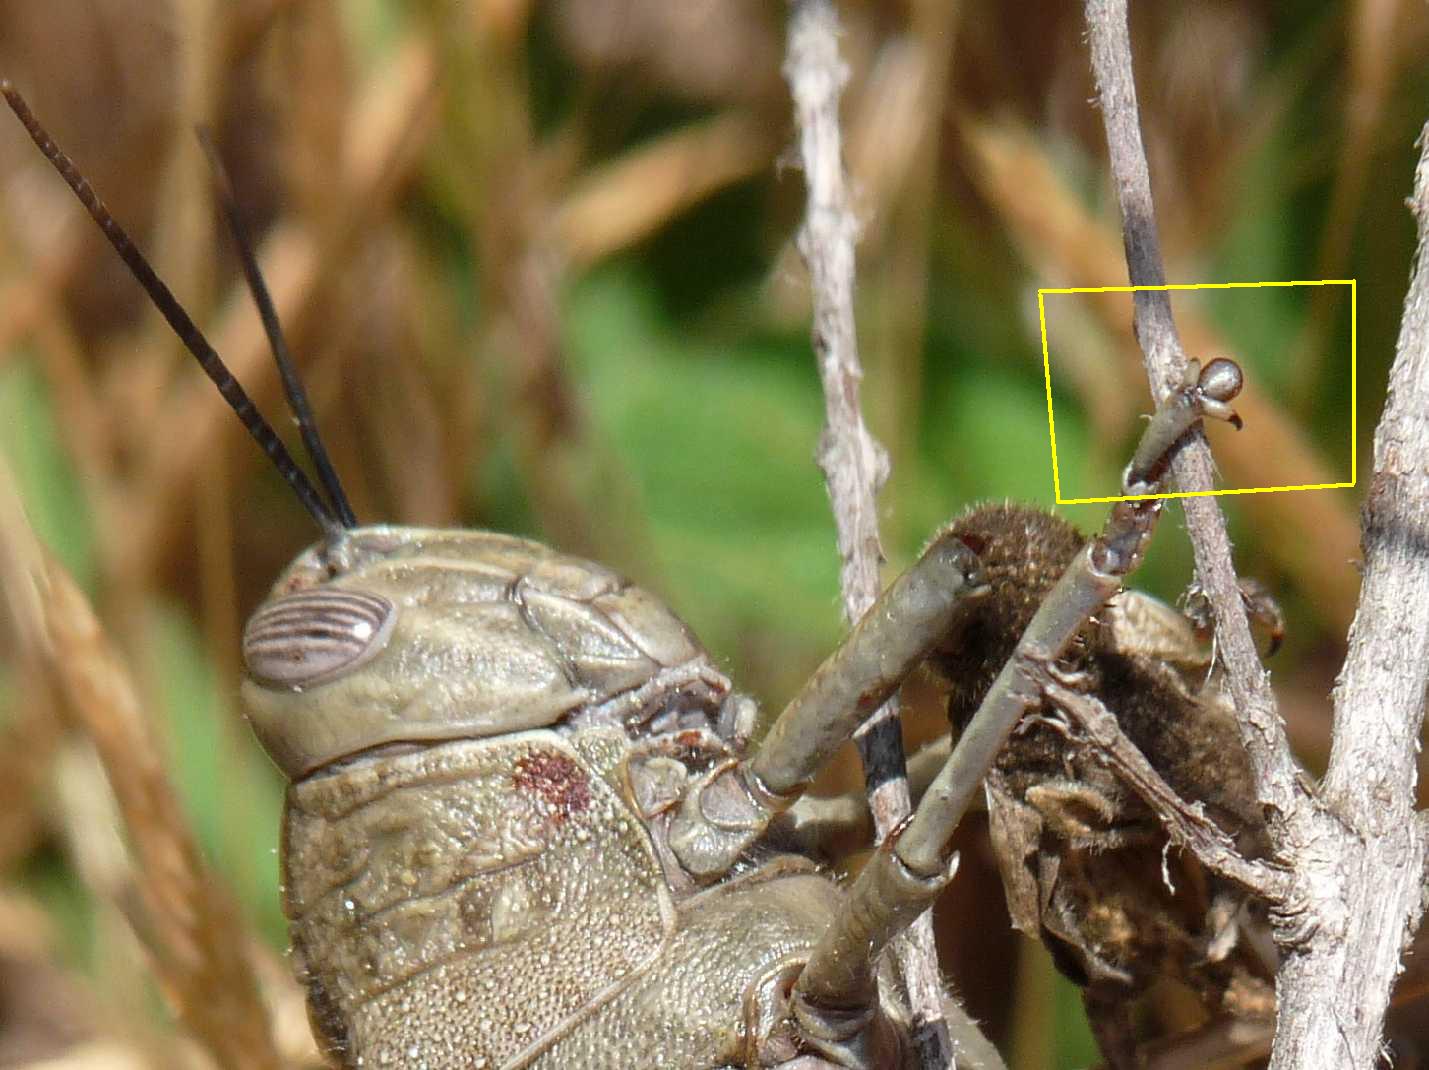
x=81 y=418
x=29 y=741
x=188 y=925
x=95 y=71
x=28 y=299
x=507 y=187
x=31 y=306
x=101 y=1055
x=618 y=204
x=182 y=244
x=250 y=21
x=89 y=825
x=315 y=62
x=45 y=1010
x=412 y=446
x=897 y=112
x=27 y=744
x=191 y=423
x=721 y=52
x=287 y=1002
x=894 y=110
x=1066 y=246
x=1373 y=60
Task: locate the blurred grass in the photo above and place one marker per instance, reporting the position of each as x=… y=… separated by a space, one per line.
x=651 y=402
x=34 y=448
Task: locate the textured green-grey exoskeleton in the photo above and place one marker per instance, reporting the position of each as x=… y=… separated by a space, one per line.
x=483 y=736
x=488 y=742
x=526 y=826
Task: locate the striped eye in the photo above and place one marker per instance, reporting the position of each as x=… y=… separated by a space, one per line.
x=313 y=636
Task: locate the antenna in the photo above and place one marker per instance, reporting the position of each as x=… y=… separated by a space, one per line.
x=292 y=385
x=180 y=321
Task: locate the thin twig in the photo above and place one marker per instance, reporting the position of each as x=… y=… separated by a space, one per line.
x=1386 y=670
x=1064 y=240
x=1355 y=856
x=1372 y=858
x=854 y=465
x=1249 y=684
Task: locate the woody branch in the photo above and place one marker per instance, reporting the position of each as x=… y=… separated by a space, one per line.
x=1354 y=850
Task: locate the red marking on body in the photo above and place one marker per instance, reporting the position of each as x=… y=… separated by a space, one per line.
x=976 y=543
x=692 y=748
x=556 y=779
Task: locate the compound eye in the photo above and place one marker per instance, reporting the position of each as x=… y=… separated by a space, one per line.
x=311 y=637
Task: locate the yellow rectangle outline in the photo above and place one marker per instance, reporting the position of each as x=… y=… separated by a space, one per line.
x=1353 y=284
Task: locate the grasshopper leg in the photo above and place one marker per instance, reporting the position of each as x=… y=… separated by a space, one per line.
x=914 y=864
x=732 y=805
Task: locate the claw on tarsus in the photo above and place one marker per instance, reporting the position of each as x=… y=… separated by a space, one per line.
x=1207 y=392
x=1217 y=384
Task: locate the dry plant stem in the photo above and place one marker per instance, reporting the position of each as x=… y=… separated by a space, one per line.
x=854 y=466
x=1372 y=66
x=1364 y=861
x=615 y=205
x=1356 y=853
x=1261 y=728
x=185 y=921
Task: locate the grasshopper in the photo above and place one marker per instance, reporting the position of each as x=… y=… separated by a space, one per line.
x=526 y=825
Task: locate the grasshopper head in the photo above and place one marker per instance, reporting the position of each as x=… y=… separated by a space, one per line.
x=387 y=635
x=393 y=635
